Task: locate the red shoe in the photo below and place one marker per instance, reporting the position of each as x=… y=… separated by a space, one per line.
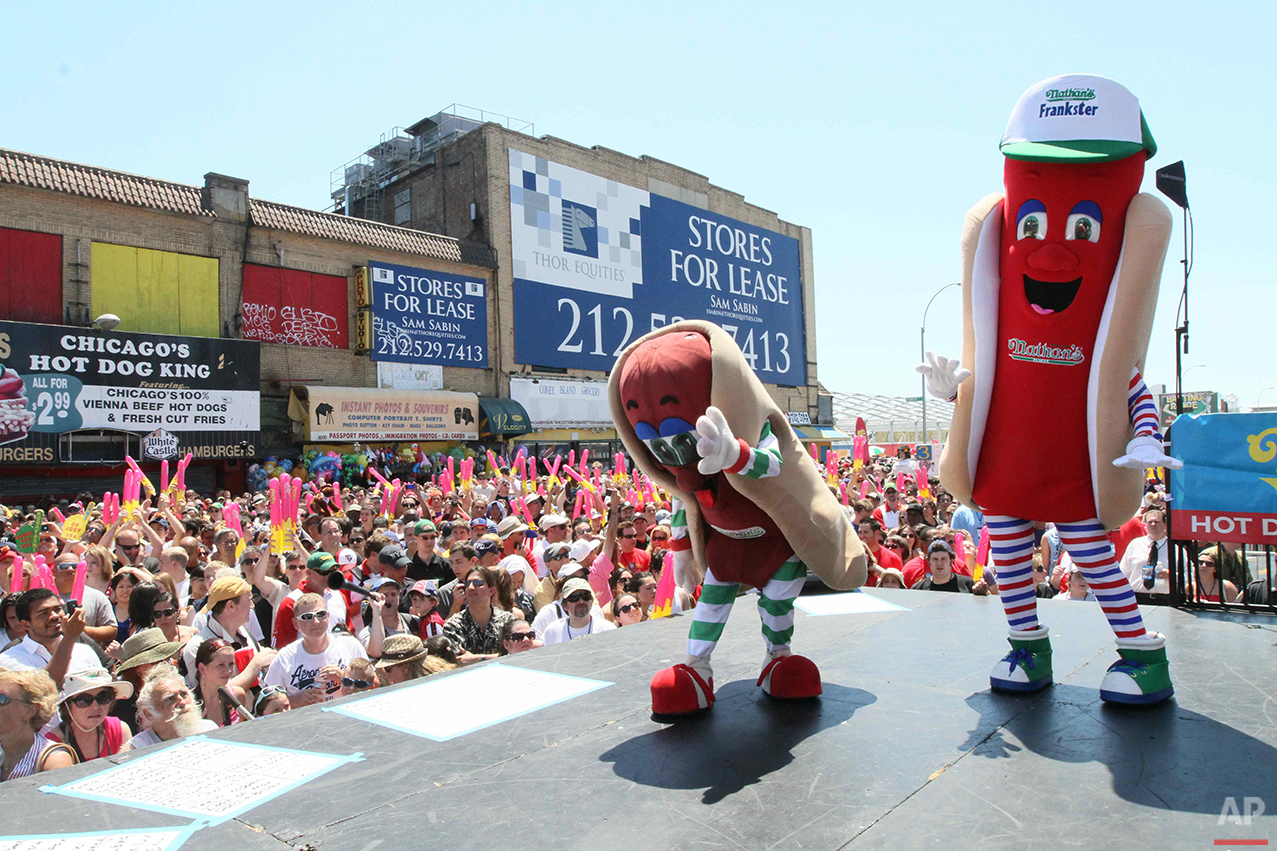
x=680 y=691
x=791 y=678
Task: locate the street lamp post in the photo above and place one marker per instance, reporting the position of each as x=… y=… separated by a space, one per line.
x=923 y=358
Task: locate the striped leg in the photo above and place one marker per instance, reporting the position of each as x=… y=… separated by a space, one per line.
x=1011 y=540
x=776 y=605
x=708 y=619
x=1090 y=548
x=784 y=675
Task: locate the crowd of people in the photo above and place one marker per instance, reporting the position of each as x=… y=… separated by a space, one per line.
x=182 y=616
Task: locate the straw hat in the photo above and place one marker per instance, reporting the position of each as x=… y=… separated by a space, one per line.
x=147 y=646
x=398 y=649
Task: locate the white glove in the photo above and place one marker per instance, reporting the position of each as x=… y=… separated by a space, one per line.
x=943 y=375
x=1145 y=452
x=717 y=445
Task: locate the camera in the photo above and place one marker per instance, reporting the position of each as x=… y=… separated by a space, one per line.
x=70 y=606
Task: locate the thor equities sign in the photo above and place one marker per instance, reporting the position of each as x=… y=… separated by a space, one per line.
x=59 y=379
x=598 y=264
x=1227 y=490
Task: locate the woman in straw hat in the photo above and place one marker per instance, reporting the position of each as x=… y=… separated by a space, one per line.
x=405 y=658
x=85 y=705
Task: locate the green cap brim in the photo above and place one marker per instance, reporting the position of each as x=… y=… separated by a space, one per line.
x=1082 y=150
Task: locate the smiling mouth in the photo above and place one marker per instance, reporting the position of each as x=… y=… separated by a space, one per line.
x=1047 y=297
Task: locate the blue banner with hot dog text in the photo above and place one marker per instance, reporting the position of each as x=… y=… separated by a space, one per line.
x=1227 y=490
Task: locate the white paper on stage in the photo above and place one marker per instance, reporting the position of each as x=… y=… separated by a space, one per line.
x=155 y=839
x=203 y=778
x=849 y=603
x=447 y=707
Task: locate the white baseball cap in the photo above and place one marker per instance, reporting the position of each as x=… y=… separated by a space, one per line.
x=1076 y=118
x=583 y=548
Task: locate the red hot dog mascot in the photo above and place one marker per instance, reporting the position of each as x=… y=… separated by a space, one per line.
x=749 y=506
x=1052 y=419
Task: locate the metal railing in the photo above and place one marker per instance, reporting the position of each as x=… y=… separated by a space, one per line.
x=1250 y=569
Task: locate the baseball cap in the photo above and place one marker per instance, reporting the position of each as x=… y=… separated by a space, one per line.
x=483 y=547
x=549 y=521
x=424 y=526
x=515 y=564
x=510 y=526
x=560 y=550
x=940 y=545
x=568 y=568
x=573 y=585
x=1076 y=118
x=346 y=556
x=384 y=580
x=320 y=562
x=226 y=588
x=583 y=548
x=890 y=488
x=425 y=588
x=394 y=556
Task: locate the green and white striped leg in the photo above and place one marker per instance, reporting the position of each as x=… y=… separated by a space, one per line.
x=708 y=619
x=776 y=606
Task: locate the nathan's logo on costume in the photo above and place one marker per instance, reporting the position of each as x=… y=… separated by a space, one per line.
x=1071 y=94
x=741 y=534
x=580 y=229
x=1042 y=353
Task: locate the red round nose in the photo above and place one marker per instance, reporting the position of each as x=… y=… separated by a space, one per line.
x=1053 y=257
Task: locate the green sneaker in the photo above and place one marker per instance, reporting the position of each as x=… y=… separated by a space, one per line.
x=1142 y=676
x=1028 y=666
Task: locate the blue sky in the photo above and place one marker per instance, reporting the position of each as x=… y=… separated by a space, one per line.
x=877 y=127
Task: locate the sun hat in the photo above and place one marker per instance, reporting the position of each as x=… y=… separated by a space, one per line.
x=92 y=679
x=147 y=646
x=893 y=571
x=1076 y=118
x=549 y=521
x=510 y=526
x=515 y=564
x=398 y=649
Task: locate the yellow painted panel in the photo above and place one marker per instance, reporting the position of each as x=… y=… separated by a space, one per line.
x=114 y=276
x=197 y=302
x=157 y=292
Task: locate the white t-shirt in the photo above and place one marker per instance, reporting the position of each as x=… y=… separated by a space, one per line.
x=146 y=738
x=295 y=669
x=561 y=631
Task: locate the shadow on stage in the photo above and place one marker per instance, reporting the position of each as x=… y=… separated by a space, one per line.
x=1160 y=756
x=744 y=738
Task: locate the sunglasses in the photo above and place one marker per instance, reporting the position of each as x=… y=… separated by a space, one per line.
x=67 y=567
x=357 y=540
x=102 y=698
x=627 y=608
x=251 y=560
x=521 y=636
x=628 y=537
x=321 y=615
x=579 y=597
x=660 y=539
x=163 y=613
x=428 y=537
x=130 y=546
x=5 y=700
x=476 y=583
x=1205 y=563
x=353 y=683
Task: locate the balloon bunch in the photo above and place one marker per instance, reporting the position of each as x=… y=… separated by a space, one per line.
x=132 y=492
x=285 y=505
x=140 y=476
x=110 y=508
x=924 y=483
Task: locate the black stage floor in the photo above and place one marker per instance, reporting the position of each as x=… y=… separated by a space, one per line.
x=906 y=749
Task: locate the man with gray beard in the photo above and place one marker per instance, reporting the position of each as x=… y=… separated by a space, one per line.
x=167 y=706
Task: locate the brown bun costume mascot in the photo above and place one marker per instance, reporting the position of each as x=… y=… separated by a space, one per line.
x=1053 y=422
x=749 y=506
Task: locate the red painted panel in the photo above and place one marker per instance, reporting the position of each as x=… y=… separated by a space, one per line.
x=30 y=276
x=295 y=307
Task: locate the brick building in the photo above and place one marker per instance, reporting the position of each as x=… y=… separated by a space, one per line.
x=169 y=258
x=452 y=173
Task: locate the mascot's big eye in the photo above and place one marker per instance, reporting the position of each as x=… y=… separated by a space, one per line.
x=1084 y=222
x=1031 y=220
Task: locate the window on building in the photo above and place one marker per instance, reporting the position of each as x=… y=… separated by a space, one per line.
x=30 y=276
x=403 y=206
x=157 y=292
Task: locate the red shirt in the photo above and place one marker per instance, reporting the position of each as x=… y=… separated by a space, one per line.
x=636 y=560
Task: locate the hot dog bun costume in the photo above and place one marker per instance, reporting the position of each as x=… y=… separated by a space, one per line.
x=1052 y=420
x=750 y=507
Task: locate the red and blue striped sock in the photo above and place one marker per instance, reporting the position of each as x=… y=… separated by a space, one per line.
x=1011 y=540
x=1090 y=548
